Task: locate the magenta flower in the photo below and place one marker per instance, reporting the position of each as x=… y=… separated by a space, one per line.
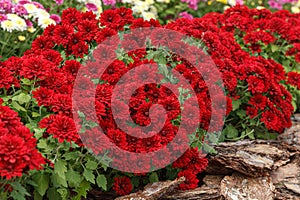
x=6 y=6
x=59 y=2
x=20 y=10
x=185 y=15
x=29 y=23
x=38 y=5
x=22 y=2
x=3 y=17
x=56 y=18
x=91 y=7
x=109 y=2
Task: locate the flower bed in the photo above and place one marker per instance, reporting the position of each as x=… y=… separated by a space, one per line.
x=255 y=51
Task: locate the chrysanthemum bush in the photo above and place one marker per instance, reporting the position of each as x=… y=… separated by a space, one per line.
x=260 y=85
x=23 y=20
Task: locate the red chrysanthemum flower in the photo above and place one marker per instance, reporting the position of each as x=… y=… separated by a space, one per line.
x=191 y=181
x=63 y=128
x=122 y=185
x=294 y=79
x=259 y=101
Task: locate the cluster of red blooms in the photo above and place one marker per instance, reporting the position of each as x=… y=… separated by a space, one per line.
x=18 y=152
x=262 y=76
x=79 y=30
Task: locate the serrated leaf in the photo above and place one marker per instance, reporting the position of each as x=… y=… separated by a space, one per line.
x=22 y=98
x=241 y=113
x=82 y=190
x=91 y=165
x=236 y=104
x=19 y=192
x=102 y=182
x=72 y=155
x=63 y=193
x=53 y=194
x=43 y=183
x=73 y=178
x=153 y=177
x=42 y=144
x=58 y=181
x=89 y=176
x=274 y=48
x=38 y=133
x=17 y=196
x=60 y=168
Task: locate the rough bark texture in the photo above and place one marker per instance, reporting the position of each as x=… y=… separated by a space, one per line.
x=262 y=170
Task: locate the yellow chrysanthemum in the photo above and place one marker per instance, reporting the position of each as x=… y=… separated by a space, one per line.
x=222 y=1
x=21 y=38
x=31 y=30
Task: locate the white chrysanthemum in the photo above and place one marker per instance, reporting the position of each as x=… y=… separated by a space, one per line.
x=18 y=22
x=44 y=22
x=128 y=1
x=100 y=10
x=12 y=16
x=231 y=2
x=40 y=13
x=96 y=2
x=140 y=7
x=148 y=15
x=295 y=9
x=163 y=1
x=149 y=2
x=8 y=25
x=31 y=8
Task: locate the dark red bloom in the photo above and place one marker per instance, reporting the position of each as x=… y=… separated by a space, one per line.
x=191 y=181
x=122 y=185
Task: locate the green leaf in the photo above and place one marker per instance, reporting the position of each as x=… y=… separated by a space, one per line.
x=53 y=194
x=60 y=168
x=82 y=190
x=63 y=193
x=38 y=132
x=71 y=155
x=91 y=165
x=19 y=192
x=274 y=48
x=241 y=113
x=58 y=181
x=22 y=98
x=89 y=176
x=236 y=104
x=153 y=177
x=43 y=183
x=35 y=114
x=102 y=182
x=15 y=105
x=73 y=178
x=230 y=132
x=42 y=144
